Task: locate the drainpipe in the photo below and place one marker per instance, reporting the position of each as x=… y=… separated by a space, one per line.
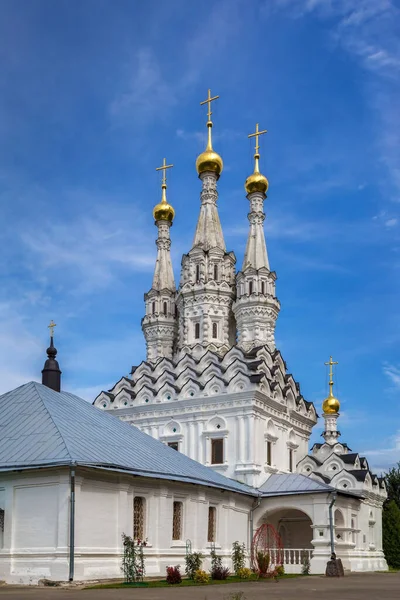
x=331 y=525
x=72 y=524
x=256 y=504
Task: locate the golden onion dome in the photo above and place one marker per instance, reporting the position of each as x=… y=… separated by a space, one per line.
x=331 y=405
x=209 y=160
x=163 y=211
x=256 y=182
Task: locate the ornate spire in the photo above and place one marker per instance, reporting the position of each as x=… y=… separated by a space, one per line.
x=331 y=407
x=256 y=187
x=209 y=166
x=51 y=374
x=164 y=215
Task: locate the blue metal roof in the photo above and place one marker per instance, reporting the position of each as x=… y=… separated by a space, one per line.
x=40 y=427
x=292 y=483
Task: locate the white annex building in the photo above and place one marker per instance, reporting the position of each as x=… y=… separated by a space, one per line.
x=211 y=438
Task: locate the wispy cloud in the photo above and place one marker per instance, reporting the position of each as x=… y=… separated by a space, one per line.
x=393 y=373
x=382 y=459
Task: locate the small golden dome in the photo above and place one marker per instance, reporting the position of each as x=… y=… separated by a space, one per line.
x=163 y=211
x=331 y=405
x=256 y=182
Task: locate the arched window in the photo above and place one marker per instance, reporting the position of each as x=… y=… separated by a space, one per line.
x=153 y=308
x=197 y=331
x=165 y=308
x=197 y=272
x=263 y=287
x=215 y=330
x=250 y=288
x=139 y=505
x=216 y=272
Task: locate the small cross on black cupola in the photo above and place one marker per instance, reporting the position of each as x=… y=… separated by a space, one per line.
x=51 y=374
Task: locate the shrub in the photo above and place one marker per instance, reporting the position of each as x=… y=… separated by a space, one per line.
x=238 y=556
x=391 y=534
x=174 y=575
x=133 y=565
x=244 y=573
x=194 y=561
x=305 y=565
x=201 y=576
x=262 y=562
x=280 y=570
x=217 y=570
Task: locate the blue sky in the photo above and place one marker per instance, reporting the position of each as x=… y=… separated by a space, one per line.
x=94 y=94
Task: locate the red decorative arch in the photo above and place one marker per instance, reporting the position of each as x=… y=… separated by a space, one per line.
x=266 y=541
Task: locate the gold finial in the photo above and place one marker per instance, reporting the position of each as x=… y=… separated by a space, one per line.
x=331 y=405
x=164 y=211
x=51 y=327
x=256 y=182
x=209 y=160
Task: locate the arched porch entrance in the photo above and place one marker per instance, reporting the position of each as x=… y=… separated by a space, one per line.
x=295 y=529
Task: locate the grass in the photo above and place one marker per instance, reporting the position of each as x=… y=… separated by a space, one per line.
x=185 y=582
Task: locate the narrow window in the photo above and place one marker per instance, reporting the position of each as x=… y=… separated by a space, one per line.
x=177 y=521
x=138 y=517
x=216 y=272
x=215 y=330
x=176 y=311
x=197 y=331
x=165 y=308
x=217 y=452
x=153 y=308
x=197 y=272
x=1 y=520
x=269 y=453
x=212 y=513
x=291 y=460
x=250 y=288
x=174 y=445
x=263 y=287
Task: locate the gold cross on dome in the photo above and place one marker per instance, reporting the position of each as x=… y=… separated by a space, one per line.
x=208 y=101
x=256 y=134
x=331 y=363
x=164 y=168
x=51 y=327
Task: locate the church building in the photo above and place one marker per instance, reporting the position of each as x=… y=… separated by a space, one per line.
x=206 y=440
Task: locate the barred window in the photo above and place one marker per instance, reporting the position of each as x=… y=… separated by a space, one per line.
x=290 y=460
x=197 y=272
x=215 y=330
x=216 y=272
x=139 y=505
x=1 y=520
x=153 y=308
x=212 y=513
x=217 y=451
x=197 y=331
x=177 y=521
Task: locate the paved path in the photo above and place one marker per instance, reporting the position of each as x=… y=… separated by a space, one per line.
x=366 y=586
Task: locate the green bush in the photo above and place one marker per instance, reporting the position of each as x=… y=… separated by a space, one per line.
x=238 y=556
x=244 y=573
x=193 y=561
x=201 y=576
x=280 y=570
x=263 y=562
x=391 y=534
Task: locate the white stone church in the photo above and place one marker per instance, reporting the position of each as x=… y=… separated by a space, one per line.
x=227 y=444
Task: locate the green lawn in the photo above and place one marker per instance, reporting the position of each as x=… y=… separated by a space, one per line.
x=185 y=582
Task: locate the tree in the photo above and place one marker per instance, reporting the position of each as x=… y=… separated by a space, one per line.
x=392 y=481
x=391 y=534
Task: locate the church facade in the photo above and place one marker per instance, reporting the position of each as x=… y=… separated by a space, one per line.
x=214 y=386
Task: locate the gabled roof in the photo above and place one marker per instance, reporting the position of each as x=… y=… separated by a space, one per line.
x=43 y=428
x=292 y=483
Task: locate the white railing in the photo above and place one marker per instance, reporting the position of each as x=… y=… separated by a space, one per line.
x=293 y=558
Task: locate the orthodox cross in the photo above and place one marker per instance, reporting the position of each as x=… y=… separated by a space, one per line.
x=51 y=327
x=164 y=168
x=256 y=134
x=331 y=363
x=208 y=101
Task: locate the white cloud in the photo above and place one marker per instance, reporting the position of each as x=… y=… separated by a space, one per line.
x=393 y=373
x=391 y=222
x=382 y=459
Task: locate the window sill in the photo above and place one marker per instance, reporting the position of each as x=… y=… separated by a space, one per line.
x=219 y=466
x=178 y=544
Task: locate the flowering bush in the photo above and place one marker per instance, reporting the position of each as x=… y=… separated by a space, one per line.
x=133 y=560
x=244 y=573
x=201 y=576
x=174 y=575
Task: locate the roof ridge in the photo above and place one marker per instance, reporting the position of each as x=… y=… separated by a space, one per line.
x=51 y=418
